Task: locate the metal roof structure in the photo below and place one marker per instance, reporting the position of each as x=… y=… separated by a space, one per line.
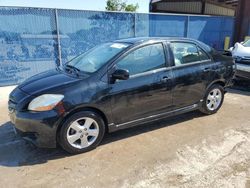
x=232 y=3
x=208 y=7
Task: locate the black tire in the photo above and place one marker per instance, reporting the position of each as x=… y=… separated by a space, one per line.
x=204 y=108
x=63 y=141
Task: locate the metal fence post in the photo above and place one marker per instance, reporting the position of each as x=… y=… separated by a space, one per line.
x=187 y=26
x=58 y=39
x=134 y=24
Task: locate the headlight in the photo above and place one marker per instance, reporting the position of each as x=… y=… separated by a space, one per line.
x=45 y=102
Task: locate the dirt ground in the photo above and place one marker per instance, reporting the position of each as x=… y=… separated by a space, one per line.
x=190 y=150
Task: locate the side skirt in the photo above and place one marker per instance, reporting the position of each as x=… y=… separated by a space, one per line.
x=113 y=127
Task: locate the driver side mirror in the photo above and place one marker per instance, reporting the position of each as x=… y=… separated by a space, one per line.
x=120 y=74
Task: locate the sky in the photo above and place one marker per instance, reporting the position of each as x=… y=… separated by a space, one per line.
x=72 y=4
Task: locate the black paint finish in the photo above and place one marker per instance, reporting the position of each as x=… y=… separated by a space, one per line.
x=122 y=103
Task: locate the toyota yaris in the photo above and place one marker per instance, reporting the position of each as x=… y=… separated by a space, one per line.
x=117 y=85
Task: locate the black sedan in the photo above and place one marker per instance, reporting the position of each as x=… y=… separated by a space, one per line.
x=118 y=85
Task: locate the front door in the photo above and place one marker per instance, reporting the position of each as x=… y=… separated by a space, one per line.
x=148 y=90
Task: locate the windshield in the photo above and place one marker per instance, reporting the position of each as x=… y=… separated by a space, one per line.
x=247 y=43
x=95 y=58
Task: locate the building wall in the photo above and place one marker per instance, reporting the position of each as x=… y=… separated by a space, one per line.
x=188 y=7
x=212 y=9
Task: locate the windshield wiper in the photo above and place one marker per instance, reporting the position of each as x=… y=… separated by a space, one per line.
x=71 y=69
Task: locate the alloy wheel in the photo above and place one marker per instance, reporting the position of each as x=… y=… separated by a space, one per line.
x=82 y=133
x=214 y=99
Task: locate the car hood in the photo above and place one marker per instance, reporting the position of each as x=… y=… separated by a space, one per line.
x=46 y=81
x=240 y=51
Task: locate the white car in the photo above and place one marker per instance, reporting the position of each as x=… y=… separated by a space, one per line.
x=241 y=54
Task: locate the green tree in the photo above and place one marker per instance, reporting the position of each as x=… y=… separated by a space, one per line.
x=120 y=5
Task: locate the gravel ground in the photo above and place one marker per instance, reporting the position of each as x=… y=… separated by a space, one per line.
x=190 y=150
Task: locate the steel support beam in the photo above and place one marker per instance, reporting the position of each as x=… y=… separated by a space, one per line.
x=242 y=21
x=59 y=63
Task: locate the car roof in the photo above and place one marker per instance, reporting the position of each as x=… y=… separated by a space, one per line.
x=139 y=40
x=146 y=39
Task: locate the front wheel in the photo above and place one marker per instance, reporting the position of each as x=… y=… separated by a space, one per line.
x=213 y=99
x=81 y=132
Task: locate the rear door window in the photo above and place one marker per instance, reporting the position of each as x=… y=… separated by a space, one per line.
x=185 y=53
x=203 y=55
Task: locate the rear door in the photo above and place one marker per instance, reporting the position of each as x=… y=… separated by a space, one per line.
x=189 y=74
x=212 y=70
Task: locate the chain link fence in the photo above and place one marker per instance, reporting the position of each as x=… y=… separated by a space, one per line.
x=33 y=40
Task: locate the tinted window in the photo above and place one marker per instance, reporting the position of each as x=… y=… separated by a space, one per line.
x=143 y=59
x=203 y=55
x=184 y=53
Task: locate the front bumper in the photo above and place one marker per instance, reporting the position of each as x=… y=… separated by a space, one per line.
x=37 y=127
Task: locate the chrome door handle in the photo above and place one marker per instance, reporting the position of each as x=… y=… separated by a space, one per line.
x=165 y=79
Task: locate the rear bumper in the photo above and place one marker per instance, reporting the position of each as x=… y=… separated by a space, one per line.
x=39 y=128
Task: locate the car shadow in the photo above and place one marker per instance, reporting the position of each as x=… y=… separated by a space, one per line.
x=14 y=151
x=241 y=86
x=239 y=92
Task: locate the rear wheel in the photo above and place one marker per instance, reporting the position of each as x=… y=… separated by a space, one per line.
x=82 y=132
x=213 y=99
